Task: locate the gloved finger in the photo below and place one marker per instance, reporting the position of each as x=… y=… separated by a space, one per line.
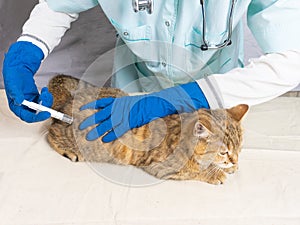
x=46 y=97
x=27 y=114
x=100 y=103
x=31 y=117
x=99 y=130
x=117 y=132
x=96 y=118
x=111 y=136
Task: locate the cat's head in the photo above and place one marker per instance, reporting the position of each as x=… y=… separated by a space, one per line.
x=220 y=136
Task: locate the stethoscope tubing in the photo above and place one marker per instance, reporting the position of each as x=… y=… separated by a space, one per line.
x=206 y=46
x=148 y=5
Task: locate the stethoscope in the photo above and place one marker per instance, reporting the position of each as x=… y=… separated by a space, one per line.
x=141 y=5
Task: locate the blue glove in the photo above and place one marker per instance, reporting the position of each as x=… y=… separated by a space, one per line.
x=20 y=64
x=118 y=115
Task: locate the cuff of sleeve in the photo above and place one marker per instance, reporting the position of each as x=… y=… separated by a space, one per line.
x=211 y=91
x=37 y=42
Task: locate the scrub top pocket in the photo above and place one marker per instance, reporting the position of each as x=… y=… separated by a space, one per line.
x=193 y=39
x=133 y=34
x=218 y=60
x=142 y=33
x=137 y=39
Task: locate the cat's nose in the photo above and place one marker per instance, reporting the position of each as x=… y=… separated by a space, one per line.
x=234 y=158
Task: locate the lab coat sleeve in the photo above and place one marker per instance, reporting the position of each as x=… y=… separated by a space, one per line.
x=275 y=24
x=45 y=27
x=261 y=80
x=71 y=6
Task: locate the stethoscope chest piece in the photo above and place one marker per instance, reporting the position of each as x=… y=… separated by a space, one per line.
x=140 y=5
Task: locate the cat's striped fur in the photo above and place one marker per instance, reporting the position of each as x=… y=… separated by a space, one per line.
x=203 y=145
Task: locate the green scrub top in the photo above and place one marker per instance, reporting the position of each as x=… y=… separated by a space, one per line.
x=162 y=49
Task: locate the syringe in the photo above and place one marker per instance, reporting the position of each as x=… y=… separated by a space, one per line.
x=58 y=115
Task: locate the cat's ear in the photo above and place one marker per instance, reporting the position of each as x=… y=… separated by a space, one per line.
x=238 y=112
x=201 y=131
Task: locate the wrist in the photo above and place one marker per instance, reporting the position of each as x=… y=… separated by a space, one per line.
x=25 y=49
x=196 y=94
x=23 y=53
x=37 y=42
x=185 y=97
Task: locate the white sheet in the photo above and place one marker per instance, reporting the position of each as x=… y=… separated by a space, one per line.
x=39 y=187
x=274 y=125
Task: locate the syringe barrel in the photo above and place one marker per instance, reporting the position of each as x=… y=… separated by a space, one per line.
x=67 y=119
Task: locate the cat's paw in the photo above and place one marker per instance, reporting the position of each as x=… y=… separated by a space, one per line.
x=217 y=177
x=72 y=156
x=231 y=170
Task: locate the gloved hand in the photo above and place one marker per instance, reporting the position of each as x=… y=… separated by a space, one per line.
x=20 y=64
x=118 y=115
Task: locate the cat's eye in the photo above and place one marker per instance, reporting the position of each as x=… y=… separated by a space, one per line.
x=223 y=153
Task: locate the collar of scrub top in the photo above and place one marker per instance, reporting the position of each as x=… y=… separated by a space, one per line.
x=141 y=5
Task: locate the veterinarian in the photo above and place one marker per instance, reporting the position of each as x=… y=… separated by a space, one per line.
x=187 y=41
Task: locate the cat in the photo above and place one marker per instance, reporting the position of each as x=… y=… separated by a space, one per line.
x=203 y=145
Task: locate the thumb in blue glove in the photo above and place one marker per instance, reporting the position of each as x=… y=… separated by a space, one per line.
x=118 y=115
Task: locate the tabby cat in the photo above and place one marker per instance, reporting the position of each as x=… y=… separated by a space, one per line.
x=203 y=145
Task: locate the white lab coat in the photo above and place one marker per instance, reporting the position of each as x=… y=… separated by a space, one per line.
x=163 y=50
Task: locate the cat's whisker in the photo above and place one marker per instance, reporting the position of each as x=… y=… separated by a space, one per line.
x=211 y=171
